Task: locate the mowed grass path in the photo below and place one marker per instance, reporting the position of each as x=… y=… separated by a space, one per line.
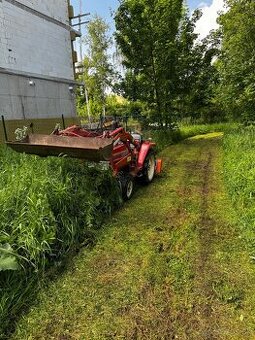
x=171 y=264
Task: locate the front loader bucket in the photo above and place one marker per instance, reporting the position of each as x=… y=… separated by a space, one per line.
x=89 y=148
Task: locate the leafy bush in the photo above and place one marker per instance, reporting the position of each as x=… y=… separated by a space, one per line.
x=48 y=207
x=239 y=168
x=200 y=129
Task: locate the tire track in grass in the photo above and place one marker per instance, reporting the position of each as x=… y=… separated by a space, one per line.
x=203 y=263
x=203 y=323
x=222 y=267
x=198 y=169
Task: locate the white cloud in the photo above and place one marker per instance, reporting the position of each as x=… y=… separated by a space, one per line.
x=208 y=19
x=202 y=4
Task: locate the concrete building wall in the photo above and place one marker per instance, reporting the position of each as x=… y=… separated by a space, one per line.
x=36 y=65
x=32 y=44
x=43 y=99
x=57 y=9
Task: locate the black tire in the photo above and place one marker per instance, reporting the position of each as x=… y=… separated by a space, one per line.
x=126 y=183
x=149 y=168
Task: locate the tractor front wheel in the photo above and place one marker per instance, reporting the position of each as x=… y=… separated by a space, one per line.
x=126 y=183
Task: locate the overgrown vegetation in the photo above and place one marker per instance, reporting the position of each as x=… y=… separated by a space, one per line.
x=239 y=165
x=97 y=70
x=167 y=68
x=166 y=73
x=236 y=90
x=166 y=137
x=48 y=208
x=169 y=265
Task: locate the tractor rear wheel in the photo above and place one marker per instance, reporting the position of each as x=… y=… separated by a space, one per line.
x=149 y=168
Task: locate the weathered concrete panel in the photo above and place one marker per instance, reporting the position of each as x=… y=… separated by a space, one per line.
x=17 y=108
x=66 y=107
x=35 y=60
x=6 y=106
x=4 y=85
x=32 y=44
x=43 y=99
x=57 y=9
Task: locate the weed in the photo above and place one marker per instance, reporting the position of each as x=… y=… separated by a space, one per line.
x=48 y=207
x=239 y=169
x=166 y=137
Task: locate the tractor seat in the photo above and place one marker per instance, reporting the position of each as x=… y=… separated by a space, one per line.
x=137 y=137
x=137 y=140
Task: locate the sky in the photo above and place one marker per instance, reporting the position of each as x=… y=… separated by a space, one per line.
x=103 y=8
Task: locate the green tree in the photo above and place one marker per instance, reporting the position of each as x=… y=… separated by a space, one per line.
x=98 y=70
x=188 y=67
x=236 y=92
x=146 y=32
x=197 y=74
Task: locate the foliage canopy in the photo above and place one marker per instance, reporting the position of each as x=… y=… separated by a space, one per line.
x=237 y=62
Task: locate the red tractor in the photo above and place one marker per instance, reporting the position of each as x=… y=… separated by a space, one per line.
x=128 y=154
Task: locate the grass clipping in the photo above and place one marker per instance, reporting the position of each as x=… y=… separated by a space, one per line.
x=47 y=207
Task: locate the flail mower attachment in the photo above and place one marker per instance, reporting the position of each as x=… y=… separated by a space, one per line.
x=89 y=148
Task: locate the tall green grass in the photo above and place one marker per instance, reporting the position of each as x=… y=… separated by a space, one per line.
x=166 y=137
x=48 y=207
x=239 y=168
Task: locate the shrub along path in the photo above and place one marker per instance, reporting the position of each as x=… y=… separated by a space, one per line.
x=171 y=264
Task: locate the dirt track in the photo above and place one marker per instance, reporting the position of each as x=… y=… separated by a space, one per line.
x=169 y=265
